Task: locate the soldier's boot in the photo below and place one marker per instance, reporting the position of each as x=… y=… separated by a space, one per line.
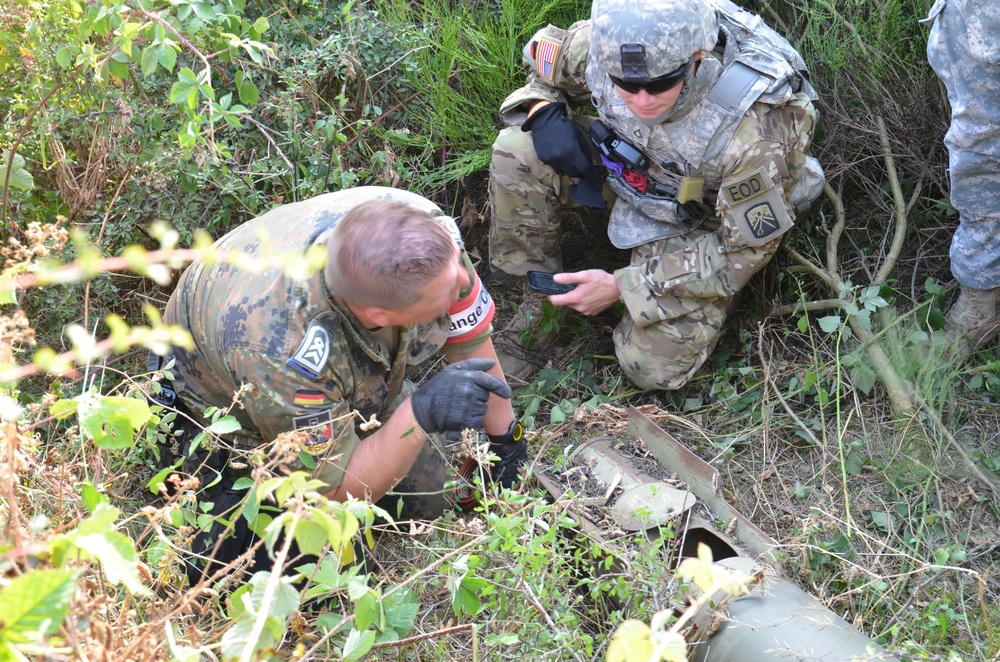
x=519 y=345
x=973 y=320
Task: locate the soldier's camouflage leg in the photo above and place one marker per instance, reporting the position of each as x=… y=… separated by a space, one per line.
x=525 y=196
x=665 y=356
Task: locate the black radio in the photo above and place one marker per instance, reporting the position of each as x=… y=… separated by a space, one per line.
x=617 y=149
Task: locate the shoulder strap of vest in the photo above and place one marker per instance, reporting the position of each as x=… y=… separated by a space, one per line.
x=733 y=86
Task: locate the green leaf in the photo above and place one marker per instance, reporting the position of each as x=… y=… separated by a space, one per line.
x=91 y=497
x=224 y=425
x=854 y=462
x=401 y=610
x=557 y=415
x=20 y=178
x=64 y=57
x=204 y=10
x=149 y=61
x=237 y=638
x=880 y=519
x=167 y=56
x=248 y=92
x=35 y=604
x=830 y=323
x=864 y=377
x=467 y=600
x=327 y=622
x=358 y=644
x=803 y=324
x=631 y=641
x=154 y=483
x=119 y=69
x=63 y=408
x=117 y=557
x=311 y=537
x=259 y=27
x=101 y=521
x=366 y=610
x=111 y=421
x=284 y=602
x=180 y=93
x=941 y=556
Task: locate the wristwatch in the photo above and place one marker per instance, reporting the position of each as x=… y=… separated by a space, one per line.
x=513 y=435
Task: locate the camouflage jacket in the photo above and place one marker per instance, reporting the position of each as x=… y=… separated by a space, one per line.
x=753 y=166
x=297 y=357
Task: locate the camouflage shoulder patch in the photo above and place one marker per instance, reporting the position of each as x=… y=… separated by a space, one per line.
x=313 y=352
x=757 y=207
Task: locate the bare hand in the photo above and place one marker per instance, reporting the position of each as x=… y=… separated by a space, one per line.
x=596 y=290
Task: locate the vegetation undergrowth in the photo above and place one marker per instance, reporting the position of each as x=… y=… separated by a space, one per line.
x=135 y=132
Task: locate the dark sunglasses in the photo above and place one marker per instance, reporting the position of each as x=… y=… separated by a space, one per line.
x=654 y=86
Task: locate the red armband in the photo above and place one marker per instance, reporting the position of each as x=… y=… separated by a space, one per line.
x=471 y=315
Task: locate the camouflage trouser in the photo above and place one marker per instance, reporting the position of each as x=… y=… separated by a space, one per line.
x=526 y=196
x=973 y=138
x=666 y=354
x=421 y=494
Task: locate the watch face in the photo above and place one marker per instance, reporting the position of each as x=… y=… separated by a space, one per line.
x=516 y=431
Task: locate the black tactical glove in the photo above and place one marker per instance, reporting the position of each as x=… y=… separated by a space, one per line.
x=512 y=449
x=589 y=192
x=558 y=142
x=455 y=398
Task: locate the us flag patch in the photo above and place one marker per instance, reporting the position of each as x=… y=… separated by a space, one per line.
x=545 y=58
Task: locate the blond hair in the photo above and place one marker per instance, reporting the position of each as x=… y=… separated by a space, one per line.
x=384 y=253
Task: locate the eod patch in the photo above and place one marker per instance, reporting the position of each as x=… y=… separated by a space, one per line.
x=757 y=208
x=319 y=429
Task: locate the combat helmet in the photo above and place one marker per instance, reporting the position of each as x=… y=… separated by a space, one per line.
x=640 y=40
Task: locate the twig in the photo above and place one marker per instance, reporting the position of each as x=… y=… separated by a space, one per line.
x=263 y=131
x=100 y=237
x=781 y=398
x=183 y=40
x=17 y=142
x=265 y=601
x=378 y=119
x=808 y=306
x=427 y=635
x=889 y=263
x=412 y=578
x=541 y=610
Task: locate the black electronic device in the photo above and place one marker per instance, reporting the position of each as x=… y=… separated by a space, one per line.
x=541 y=282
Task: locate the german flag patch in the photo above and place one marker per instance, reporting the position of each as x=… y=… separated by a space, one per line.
x=308 y=397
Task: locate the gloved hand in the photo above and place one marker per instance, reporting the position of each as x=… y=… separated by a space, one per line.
x=589 y=192
x=558 y=142
x=512 y=449
x=512 y=458
x=455 y=398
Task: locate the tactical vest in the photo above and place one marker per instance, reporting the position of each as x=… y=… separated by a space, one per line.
x=757 y=65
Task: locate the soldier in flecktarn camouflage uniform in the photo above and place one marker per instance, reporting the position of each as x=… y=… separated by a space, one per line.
x=306 y=354
x=700 y=148
x=964 y=50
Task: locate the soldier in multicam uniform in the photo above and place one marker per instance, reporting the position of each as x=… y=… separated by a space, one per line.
x=964 y=51
x=705 y=122
x=308 y=354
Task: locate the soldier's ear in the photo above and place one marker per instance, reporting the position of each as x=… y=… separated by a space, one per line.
x=377 y=315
